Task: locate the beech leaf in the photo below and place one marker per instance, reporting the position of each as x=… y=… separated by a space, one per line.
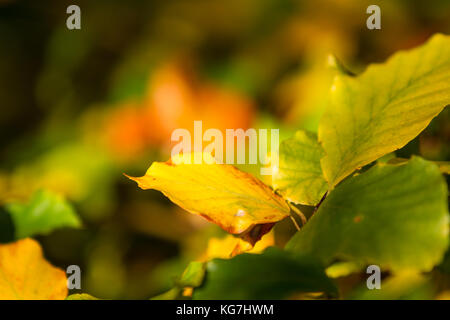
x=384 y=108
x=45 y=212
x=273 y=274
x=235 y=200
x=299 y=177
x=26 y=275
x=395 y=216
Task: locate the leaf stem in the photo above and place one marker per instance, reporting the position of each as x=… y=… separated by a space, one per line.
x=298 y=212
x=295 y=222
x=320 y=202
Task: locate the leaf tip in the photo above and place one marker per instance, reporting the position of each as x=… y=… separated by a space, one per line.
x=138 y=180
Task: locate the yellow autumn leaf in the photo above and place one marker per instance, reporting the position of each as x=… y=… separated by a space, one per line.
x=236 y=201
x=26 y=275
x=384 y=108
x=229 y=246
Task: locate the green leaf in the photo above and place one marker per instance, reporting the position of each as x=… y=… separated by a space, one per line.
x=444 y=166
x=171 y=294
x=44 y=212
x=395 y=216
x=274 y=274
x=193 y=275
x=384 y=108
x=343 y=269
x=299 y=177
x=81 y=296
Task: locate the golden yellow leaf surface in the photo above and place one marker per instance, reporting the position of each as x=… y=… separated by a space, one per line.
x=224 y=195
x=229 y=246
x=26 y=275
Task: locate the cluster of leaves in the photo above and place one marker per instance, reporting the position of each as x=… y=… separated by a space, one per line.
x=391 y=212
x=368 y=209
x=25 y=272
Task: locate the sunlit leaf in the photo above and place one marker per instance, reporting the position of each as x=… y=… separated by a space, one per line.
x=81 y=296
x=25 y=274
x=274 y=274
x=395 y=216
x=299 y=177
x=235 y=200
x=45 y=212
x=384 y=108
x=229 y=246
x=193 y=275
x=343 y=269
x=444 y=166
